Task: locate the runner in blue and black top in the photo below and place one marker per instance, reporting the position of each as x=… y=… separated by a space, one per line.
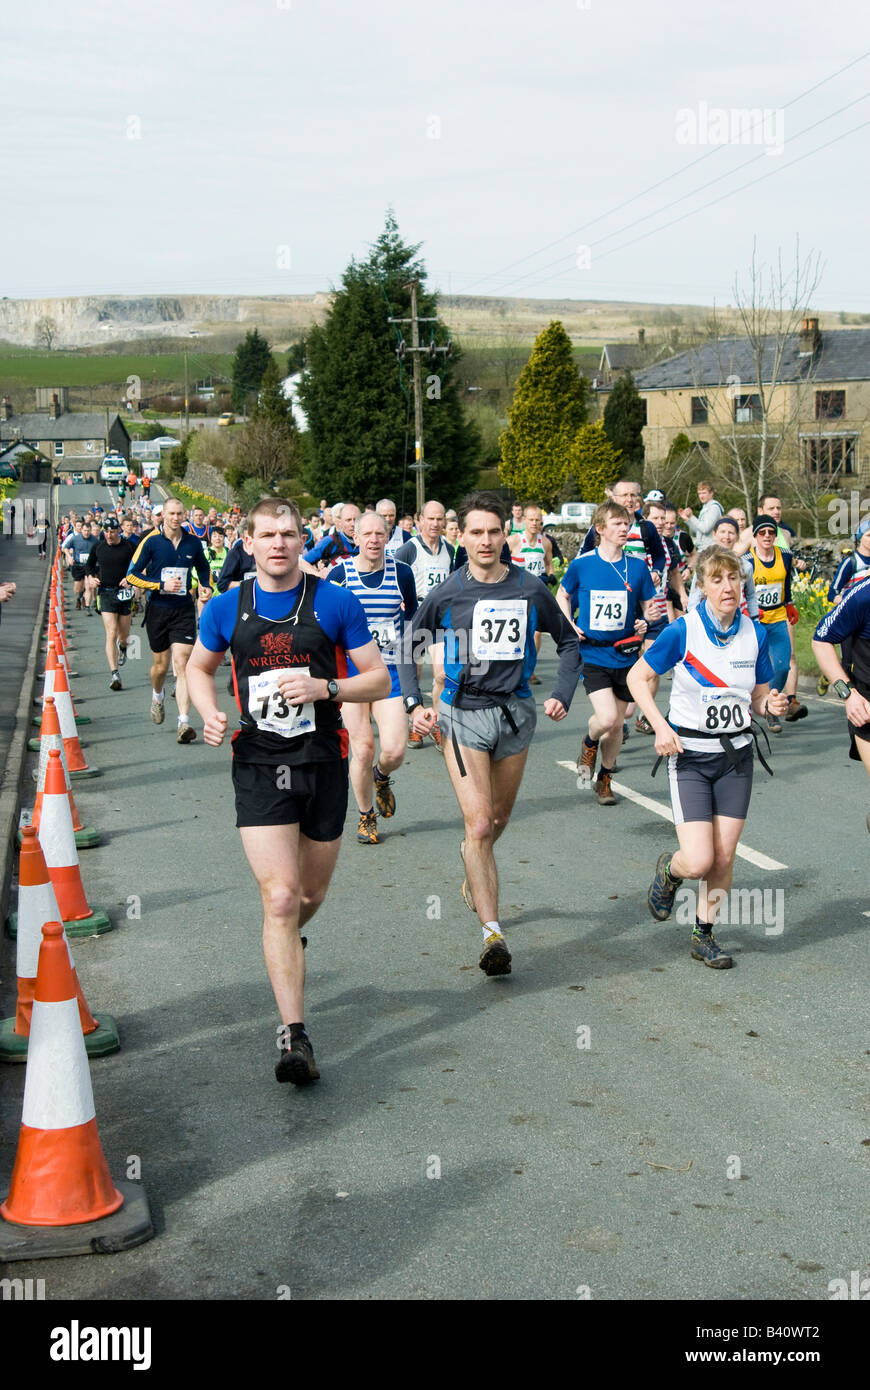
x=849 y=624
x=386 y=589
x=291 y=636
x=486 y=614
x=614 y=597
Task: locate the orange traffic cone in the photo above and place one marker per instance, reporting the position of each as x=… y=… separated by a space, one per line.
x=86 y=836
x=52 y=662
x=37 y=905
x=75 y=758
x=61 y=857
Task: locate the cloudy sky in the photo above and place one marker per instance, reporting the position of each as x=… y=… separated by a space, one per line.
x=589 y=149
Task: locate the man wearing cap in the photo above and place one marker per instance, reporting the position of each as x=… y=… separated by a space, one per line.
x=726 y=534
x=108 y=563
x=772 y=568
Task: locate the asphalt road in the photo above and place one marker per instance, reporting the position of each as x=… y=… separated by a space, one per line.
x=706 y=1137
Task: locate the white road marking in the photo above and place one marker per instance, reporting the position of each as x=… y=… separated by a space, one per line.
x=761 y=861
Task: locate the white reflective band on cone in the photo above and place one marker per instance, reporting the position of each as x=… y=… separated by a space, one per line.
x=48 y=684
x=66 y=718
x=57 y=1090
x=37 y=904
x=56 y=834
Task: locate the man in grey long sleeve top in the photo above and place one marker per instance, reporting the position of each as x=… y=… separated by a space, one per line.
x=704 y=524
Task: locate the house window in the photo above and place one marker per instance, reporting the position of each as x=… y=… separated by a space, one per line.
x=58 y=449
x=703 y=445
x=830 y=405
x=830 y=455
x=747 y=409
x=700 y=410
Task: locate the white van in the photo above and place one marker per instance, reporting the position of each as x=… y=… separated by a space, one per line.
x=114 y=468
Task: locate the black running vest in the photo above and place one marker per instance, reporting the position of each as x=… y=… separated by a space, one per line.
x=273 y=732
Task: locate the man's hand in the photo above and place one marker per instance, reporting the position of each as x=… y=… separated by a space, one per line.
x=173 y=585
x=299 y=689
x=7 y=591
x=555 y=710
x=686 y=512
x=214 y=728
x=857 y=710
x=205 y=594
x=423 y=720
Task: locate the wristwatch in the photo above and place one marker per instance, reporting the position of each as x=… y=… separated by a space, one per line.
x=842 y=688
x=411 y=702
x=332 y=689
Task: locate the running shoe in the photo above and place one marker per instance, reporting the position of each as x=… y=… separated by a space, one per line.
x=795 y=711
x=415 y=740
x=663 y=889
x=296 y=1062
x=643 y=725
x=465 y=890
x=185 y=734
x=586 y=767
x=436 y=736
x=705 y=948
x=534 y=680
x=495 y=958
x=158 y=713
x=115 y=682
x=385 y=797
x=367 y=834
x=822 y=686
x=604 y=791
x=773 y=723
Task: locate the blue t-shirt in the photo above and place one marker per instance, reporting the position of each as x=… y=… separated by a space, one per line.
x=850 y=618
x=668 y=650
x=340 y=614
x=606 y=599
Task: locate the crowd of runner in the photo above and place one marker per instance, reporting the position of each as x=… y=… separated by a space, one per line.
x=334 y=622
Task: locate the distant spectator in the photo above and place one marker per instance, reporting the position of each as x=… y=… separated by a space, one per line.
x=704 y=524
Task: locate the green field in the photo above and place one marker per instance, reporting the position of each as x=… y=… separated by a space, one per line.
x=26 y=368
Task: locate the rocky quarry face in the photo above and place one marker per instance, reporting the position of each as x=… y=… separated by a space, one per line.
x=96 y=320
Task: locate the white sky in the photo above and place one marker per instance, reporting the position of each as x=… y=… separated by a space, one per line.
x=273 y=124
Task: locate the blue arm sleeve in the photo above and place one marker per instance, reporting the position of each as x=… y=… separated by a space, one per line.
x=763 y=665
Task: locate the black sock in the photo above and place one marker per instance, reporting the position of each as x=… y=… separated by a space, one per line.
x=588 y=741
x=378 y=775
x=369 y=812
x=604 y=769
x=702 y=928
x=297 y=1030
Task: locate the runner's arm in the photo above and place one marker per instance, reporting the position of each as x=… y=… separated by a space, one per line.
x=201 y=668
x=138 y=570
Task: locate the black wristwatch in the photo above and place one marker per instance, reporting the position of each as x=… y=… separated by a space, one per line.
x=842 y=688
x=411 y=702
x=332 y=688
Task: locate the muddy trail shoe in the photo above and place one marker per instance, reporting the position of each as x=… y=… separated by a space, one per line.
x=495 y=958
x=663 y=889
x=367 y=833
x=603 y=790
x=705 y=948
x=296 y=1063
x=586 y=767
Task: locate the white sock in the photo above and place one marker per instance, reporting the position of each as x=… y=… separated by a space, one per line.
x=182 y=719
x=157 y=696
x=489 y=928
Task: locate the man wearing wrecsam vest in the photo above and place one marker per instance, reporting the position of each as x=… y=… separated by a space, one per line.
x=290 y=751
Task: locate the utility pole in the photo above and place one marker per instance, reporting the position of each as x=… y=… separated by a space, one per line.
x=432 y=351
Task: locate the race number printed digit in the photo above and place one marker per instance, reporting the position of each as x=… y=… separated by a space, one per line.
x=271 y=711
x=498 y=629
x=608 y=610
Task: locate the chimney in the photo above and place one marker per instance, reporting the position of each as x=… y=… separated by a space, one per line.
x=809 y=338
x=6 y=411
x=641 y=337
x=54 y=410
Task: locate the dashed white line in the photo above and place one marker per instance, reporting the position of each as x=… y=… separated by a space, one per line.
x=754 y=856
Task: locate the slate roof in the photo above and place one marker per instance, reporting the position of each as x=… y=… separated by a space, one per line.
x=75 y=424
x=843 y=355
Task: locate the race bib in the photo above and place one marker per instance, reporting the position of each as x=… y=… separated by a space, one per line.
x=269 y=709
x=498 y=629
x=385 y=634
x=769 y=596
x=124 y=595
x=170 y=572
x=726 y=711
x=535 y=565
x=608 y=610
x=434 y=577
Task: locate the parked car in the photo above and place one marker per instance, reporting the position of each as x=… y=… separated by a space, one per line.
x=227 y=418
x=572 y=514
x=8 y=470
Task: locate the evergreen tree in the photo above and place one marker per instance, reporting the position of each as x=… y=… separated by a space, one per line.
x=624 y=416
x=359 y=398
x=271 y=401
x=253 y=356
x=547 y=410
x=593 y=461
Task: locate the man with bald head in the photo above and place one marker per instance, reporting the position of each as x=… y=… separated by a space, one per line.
x=396 y=537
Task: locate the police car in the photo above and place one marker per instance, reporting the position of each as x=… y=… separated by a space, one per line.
x=113 y=468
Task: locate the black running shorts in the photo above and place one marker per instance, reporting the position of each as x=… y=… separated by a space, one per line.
x=108 y=602
x=607 y=678
x=704 y=785
x=165 y=623
x=313 y=796
x=77 y=572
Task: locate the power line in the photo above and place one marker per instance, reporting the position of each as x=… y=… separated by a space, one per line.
x=493 y=275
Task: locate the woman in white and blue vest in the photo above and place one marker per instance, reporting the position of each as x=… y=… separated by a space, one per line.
x=722 y=673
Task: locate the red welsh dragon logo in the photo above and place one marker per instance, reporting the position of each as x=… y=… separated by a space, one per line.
x=277 y=643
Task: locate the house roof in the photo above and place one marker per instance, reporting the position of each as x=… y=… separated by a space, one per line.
x=75 y=424
x=624 y=357
x=843 y=355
